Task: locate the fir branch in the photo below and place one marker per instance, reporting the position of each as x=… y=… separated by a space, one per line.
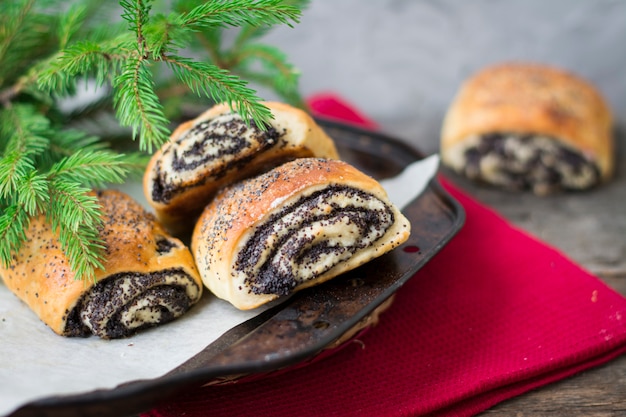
x=84 y=249
x=47 y=169
x=165 y=34
x=14 y=222
x=14 y=15
x=62 y=192
x=93 y=168
x=134 y=165
x=14 y=169
x=68 y=142
x=22 y=129
x=74 y=215
x=243 y=57
x=72 y=206
x=25 y=130
x=276 y=71
x=26 y=34
x=240 y=12
x=74 y=148
x=33 y=193
x=136 y=103
x=221 y=86
x=136 y=13
x=138 y=106
x=249 y=33
x=81 y=58
x=70 y=23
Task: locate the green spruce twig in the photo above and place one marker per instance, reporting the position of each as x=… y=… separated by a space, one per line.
x=49 y=169
x=254 y=61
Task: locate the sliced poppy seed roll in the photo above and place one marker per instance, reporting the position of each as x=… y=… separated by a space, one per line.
x=219 y=148
x=527 y=126
x=149 y=278
x=296 y=226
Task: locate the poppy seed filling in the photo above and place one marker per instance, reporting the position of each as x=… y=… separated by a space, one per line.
x=311 y=236
x=123 y=304
x=207 y=151
x=525 y=161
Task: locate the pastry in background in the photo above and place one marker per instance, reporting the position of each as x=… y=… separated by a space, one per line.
x=218 y=148
x=296 y=226
x=529 y=126
x=149 y=278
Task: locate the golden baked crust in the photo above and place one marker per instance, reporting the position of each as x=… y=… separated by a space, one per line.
x=178 y=195
x=531 y=98
x=135 y=244
x=257 y=240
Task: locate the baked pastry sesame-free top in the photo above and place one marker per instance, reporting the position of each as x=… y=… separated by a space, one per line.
x=293 y=227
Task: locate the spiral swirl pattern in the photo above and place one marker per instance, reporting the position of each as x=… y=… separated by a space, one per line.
x=207 y=151
x=124 y=304
x=311 y=236
x=299 y=225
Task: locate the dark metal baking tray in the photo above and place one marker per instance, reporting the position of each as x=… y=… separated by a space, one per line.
x=308 y=323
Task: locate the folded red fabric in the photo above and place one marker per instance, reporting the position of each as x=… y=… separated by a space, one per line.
x=494 y=314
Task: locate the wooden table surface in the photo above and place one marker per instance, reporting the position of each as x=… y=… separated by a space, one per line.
x=589 y=228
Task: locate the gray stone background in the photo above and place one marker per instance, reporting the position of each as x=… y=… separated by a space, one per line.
x=401 y=62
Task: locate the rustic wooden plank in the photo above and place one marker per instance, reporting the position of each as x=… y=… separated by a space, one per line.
x=599 y=392
x=615 y=281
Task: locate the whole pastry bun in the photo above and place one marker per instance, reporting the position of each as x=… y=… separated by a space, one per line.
x=529 y=126
x=302 y=223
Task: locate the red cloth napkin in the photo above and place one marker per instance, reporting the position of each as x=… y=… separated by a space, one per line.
x=494 y=314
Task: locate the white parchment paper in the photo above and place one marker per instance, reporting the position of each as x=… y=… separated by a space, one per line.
x=36 y=363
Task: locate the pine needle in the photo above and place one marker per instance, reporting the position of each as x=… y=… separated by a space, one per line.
x=275 y=70
x=70 y=23
x=48 y=169
x=239 y=13
x=221 y=86
x=93 y=168
x=33 y=193
x=138 y=106
x=14 y=222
